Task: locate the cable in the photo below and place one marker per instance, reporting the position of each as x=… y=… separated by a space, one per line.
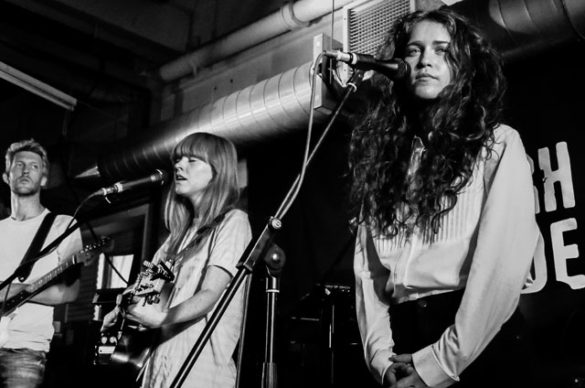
x=81 y=204
x=288 y=201
x=95 y=237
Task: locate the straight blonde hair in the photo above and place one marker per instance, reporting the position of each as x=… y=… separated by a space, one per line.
x=218 y=197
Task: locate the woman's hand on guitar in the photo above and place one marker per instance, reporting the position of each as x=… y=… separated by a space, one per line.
x=110 y=319
x=148 y=315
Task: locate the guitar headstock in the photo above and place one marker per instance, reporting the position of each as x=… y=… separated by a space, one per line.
x=91 y=251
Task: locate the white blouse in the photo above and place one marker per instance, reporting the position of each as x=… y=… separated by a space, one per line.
x=485 y=244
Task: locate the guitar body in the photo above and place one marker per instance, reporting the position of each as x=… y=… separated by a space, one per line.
x=134 y=347
x=134 y=344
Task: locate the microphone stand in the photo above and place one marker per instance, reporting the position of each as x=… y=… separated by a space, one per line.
x=45 y=251
x=160 y=175
x=255 y=251
x=275 y=260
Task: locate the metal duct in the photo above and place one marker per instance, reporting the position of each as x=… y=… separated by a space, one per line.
x=274 y=106
x=292 y=15
x=280 y=104
x=519 y=28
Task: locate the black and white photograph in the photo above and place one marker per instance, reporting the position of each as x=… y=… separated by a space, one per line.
x=292 y=193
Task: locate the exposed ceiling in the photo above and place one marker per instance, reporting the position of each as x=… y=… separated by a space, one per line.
x=121 y=41
x=101 y=53
x=110 y=50
x=105 y=54
x=73 y=50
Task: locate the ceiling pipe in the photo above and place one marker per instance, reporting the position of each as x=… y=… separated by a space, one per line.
x=291 y=16
x=517 y=27
x=261 y=111
x=37 y=87
x=521 y=28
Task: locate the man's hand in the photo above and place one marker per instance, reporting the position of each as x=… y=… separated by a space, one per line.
x=15 y=288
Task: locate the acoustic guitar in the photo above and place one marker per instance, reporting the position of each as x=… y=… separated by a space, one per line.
x=133 y=343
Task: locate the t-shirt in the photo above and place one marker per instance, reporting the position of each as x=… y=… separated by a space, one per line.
x=31 y=325
x=214 y=367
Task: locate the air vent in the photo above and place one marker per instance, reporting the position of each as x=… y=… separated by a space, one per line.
x=366 y=23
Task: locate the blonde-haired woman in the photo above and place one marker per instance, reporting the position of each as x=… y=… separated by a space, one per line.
x=207 y=237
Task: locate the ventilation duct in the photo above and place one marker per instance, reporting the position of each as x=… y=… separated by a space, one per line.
x=274 y=106
x=291 y=16
x=519 y=28
x=280 y=104
x=367 y=23
x=267 y=109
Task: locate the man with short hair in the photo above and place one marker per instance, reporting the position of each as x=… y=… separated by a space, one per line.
x=25 y=340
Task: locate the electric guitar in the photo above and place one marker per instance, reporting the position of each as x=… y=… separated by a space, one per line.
x=133 y=344
x=84 y=256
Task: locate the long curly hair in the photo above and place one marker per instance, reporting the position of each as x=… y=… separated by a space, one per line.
x=457 y=125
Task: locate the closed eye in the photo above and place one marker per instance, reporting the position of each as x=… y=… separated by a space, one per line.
x=412 y=51
x=442 y=49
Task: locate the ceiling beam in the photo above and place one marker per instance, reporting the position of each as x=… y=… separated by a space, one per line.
x=138 y=25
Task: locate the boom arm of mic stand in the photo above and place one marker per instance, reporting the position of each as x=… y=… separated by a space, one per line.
x=247 y=262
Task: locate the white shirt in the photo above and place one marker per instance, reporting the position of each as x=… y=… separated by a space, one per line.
x=32 y=324
x=214 y=367
x=485 y=245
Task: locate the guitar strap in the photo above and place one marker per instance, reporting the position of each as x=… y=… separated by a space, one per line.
x=35 y=246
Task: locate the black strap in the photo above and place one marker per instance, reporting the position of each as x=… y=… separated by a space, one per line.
x=35 y=246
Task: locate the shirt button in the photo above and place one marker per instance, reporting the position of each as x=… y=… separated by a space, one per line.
x=422 y=304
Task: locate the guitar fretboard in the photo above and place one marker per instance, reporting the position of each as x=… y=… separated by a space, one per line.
x=38 y=285
x=19 y=299
x=51 y=275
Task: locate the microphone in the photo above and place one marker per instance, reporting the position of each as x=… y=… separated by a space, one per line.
x=159 y=176
x=394 y=69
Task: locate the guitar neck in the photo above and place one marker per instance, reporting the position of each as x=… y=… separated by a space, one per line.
x=51 y=275
x=37 y=286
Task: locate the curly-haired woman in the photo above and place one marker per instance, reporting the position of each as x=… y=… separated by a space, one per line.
x=446 y=229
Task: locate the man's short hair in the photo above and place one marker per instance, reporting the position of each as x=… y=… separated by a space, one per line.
x=27 y=145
